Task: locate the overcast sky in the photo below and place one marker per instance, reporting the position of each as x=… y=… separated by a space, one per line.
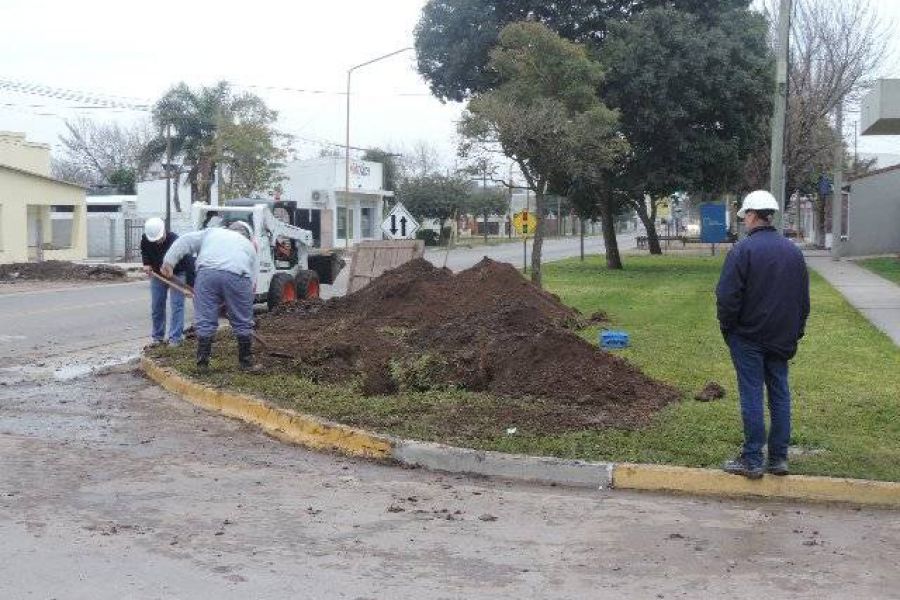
x=98 y=46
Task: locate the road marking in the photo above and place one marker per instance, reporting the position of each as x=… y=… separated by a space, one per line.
x=70 y=308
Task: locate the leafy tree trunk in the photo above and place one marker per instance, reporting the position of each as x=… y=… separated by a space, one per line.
x=176 y=183
x=648 y=220
x=581 y=236
x=538 y=242
x=608 y=223
x=820 y=220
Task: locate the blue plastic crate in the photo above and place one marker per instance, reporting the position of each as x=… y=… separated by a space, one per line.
x=613 y=340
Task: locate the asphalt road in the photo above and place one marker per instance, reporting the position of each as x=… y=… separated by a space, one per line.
x=112 y=489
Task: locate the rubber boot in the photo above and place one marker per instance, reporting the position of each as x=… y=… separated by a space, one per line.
x=204 y=350
x=245 y=355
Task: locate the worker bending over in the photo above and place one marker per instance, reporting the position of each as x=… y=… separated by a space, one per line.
x=155 y=242
x=227 y=265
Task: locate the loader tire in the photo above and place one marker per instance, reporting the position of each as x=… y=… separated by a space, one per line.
x=281 y=290
x=307 y=284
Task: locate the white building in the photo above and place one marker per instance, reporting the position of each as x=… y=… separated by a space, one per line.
x=151 y=202
x=336 y=220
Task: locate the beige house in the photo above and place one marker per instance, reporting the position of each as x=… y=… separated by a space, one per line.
x=41 y=218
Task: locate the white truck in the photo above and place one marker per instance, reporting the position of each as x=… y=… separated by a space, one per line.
x=289 y=267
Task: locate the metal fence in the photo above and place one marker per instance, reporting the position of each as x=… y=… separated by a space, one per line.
x=134 y=229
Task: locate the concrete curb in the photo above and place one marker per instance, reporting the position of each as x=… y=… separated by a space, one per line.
x=319 y=434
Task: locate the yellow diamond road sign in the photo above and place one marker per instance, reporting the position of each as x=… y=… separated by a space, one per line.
x=525 y=222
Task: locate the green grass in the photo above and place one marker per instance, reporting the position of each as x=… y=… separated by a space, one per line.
x=888 y=267
x=845 y=380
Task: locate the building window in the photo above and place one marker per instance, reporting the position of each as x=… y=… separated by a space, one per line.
x=366 y=222
x=342 y=215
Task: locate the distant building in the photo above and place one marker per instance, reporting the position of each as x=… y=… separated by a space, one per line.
x=319 y=186
x=872 y=217
x=41 y=218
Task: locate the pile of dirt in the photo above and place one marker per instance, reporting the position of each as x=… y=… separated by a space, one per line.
x=485 y=329
x=59 y=270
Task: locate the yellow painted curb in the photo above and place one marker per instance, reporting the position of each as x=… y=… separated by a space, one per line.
x=282 y=423
x=630 y=476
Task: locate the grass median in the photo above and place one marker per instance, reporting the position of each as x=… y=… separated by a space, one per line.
x=845 y=379
x=888 y=267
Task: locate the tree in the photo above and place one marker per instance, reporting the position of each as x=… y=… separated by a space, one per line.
x=102 y=154
x=584 y=202
x=545 y=115
x=454 y=38
x=487 y=201
x=390 y=167
x=214 y=128
x=837 y=47
x=692 y=97
x=439 y=197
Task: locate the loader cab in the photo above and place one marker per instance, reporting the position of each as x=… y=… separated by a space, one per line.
x=285 y=251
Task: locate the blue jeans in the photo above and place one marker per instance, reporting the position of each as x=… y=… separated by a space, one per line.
x=212 y=289
x=755 y=369
x=158 y=293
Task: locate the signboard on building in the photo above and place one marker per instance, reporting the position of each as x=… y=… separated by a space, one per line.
x=400 y=225
x=713 y=224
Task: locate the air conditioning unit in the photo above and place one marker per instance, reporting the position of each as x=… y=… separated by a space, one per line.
x=320 y=197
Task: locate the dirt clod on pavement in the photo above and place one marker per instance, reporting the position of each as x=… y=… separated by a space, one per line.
x=711 y=391
x=59 y=270
x=486 y=329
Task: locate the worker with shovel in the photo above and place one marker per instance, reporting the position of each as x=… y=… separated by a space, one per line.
x=227 y=265
x=155 y=242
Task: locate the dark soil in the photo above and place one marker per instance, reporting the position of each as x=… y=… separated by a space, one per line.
x=59 y=270
x=487 y=329
x=711 y=391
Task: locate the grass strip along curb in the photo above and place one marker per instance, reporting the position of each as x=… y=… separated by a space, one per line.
x=319 y=434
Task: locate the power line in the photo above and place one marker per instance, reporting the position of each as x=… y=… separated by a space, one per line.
x=99 y=100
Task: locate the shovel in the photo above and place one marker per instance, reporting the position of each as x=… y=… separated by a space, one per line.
x=188 y=291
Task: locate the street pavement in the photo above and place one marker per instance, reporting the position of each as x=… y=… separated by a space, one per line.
x=111 y=488
x=875 y=297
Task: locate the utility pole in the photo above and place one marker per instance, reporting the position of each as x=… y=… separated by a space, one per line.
x=347 y=147
x=837 y=196
x=776 y=162
x=168 y=178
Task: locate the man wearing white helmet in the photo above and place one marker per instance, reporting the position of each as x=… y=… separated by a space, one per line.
x=227 y=266
x=155 y=242
x=762 y=302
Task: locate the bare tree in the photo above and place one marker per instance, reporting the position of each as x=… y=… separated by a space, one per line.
x=102 y=153
x=836 y=51
x=420 y=160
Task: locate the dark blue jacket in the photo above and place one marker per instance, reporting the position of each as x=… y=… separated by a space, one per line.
x=763 y=292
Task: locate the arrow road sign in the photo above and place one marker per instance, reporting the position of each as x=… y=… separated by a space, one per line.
x=400 y=225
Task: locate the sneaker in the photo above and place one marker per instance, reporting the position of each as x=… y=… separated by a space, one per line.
x=777 y=467
x=175 y=343
x=155 y=343
x=740 y=466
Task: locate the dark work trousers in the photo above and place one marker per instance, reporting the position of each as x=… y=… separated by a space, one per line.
x=758 y=369
x=214 y=288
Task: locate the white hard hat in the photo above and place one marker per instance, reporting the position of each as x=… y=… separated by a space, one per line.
x=154 y=229
x=243 y=228
x=758 y=200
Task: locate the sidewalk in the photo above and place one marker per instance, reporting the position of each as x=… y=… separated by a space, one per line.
x=875 y=297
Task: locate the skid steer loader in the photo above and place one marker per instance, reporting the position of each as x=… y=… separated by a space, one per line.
x=285 y=250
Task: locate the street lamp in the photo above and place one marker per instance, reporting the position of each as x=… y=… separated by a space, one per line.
x=347 y=148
